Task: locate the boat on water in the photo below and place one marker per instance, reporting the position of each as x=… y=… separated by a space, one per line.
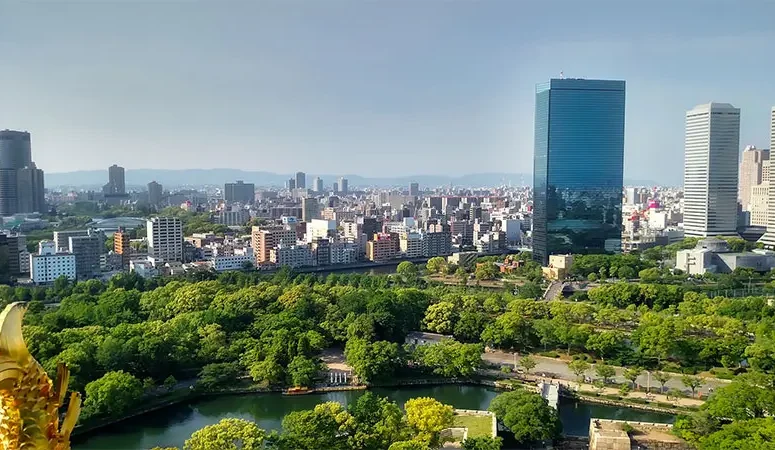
x=298 y=391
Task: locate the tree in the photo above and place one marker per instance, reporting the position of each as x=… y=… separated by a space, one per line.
x=328 y=426
x=510 y=330
x=228 y=434
x=378 y=422
x=427 y=417
x=441 y=317
x=747 y=397
x=649 y=275
x=527 y=415
x=662 y=378
x=692 y=383
x=695 y=427
x=482 y=443
x=756 y=434
x=606 y=343
x=113 y=394
x=579 y=367
x=408 y=271
x=436 y=264
x=625 y=272
x=605 y=372
x=373 y=361
x=302 y=371
x=632 y=374
x=450 y=358
x=486 y=271
x=470 y=325
x=528 y=363
x=461 y=275
x=268 y=371
x=170 y=382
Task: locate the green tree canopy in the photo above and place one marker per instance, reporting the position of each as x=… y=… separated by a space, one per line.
x=427 y=417
x=113 y=394
x=527 y=415
x=228 y=434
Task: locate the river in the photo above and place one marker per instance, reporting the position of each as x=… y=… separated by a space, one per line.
x=171 y=426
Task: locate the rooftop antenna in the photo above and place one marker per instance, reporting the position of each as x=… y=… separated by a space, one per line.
x=562 y=75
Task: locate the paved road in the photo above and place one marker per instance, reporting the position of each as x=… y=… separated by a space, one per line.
x=559 y=369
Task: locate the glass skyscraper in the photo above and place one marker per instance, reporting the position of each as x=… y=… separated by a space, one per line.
x=578 y=167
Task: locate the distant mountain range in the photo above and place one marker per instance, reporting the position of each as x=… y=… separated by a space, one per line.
x=198 y=177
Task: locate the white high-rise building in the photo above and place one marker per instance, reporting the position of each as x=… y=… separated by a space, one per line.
x=165 y=238
x=769 y=236
x=711 y=170
x=751 y=173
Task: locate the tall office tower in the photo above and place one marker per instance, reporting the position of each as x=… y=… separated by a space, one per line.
x=290 y=184
x=121 y=241
x=31 y=189
x=751 y=165
x=116 y=181
x=155 y=193
x=317 y=184
x=336 y=188
x=301 y=180
x=15 y=155
x=710 y=170
x=578 y=167
x=240 y=192
x=165 y=238
x=343 y=185
x=769 y=236
x=414 y=189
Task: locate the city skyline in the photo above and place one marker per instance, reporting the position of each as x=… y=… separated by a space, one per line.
x=474 y=95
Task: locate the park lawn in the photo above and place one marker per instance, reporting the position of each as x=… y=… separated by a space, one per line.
x=477 y=425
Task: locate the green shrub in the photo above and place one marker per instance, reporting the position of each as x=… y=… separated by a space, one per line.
x=723 y=373
x=550 y=354
x=627 y=428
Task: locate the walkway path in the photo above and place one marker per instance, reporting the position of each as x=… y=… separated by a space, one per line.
x=557 y=368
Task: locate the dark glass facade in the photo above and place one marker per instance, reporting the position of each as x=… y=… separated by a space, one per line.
x=578 y=167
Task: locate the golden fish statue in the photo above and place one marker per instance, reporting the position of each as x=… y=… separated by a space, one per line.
x=29 y=401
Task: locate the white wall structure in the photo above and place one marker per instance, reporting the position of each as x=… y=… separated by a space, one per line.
x=711 y=170
x=48 y=265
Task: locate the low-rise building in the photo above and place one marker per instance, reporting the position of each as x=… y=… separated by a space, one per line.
x=292 y=256
x=410 y=244
x=344 y=252
x=48 y=264
x=382 y=248
x=713 y=255
x=232 y=262
x=437 y=243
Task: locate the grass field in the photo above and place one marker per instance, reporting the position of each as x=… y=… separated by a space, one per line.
x=477 y=425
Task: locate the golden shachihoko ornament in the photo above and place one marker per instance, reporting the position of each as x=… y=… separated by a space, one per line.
x=29 y=400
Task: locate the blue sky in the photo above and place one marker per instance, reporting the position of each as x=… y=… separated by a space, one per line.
x=366 y=86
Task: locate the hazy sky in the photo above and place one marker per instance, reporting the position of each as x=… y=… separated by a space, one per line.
x=362 y=86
